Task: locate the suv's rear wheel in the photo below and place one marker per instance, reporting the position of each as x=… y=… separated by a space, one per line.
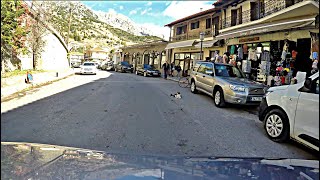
x=276 y=125
x=193 y=87
x=218 y=97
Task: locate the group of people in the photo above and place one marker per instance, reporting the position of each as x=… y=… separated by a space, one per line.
x=169 y=68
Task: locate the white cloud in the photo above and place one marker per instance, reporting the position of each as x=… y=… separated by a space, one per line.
x=120 y=7
x=133 y=12
x=157 y=30
x=145 y=11
x=180 y=9
x=112 y=11
x=149 y=3
x=167 y=3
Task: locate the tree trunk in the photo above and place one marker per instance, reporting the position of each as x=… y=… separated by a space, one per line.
x=34 y=61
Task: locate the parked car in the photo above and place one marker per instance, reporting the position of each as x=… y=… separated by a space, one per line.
x=292 y=111
x=123 y=67
x=108 y=66
x=147 y=70
x=88 y=68
x=226 y=84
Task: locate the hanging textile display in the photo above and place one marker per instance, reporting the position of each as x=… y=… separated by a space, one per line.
x=240 y=52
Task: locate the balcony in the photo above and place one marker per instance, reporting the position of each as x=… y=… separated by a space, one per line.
x=267 y=9
x=181 y=37
x=192 y=35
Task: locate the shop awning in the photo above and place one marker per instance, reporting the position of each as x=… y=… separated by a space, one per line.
x=180 y=44
x=266 y=28
x=206 y=44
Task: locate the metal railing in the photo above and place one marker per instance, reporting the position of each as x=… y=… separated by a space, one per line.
x=253 y=14
x=193 y=35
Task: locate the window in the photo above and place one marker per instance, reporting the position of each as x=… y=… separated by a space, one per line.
x=195 y=25
x=209 y=67
x=208 y=23
x=227 y=71
x=202 y=68
x=315 y=86
x=181 y=30
x=196 y=66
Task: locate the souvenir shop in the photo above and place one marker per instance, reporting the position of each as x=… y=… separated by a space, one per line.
x=270 y=58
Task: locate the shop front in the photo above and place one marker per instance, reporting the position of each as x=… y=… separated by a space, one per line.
x=270 y=58
x=186 y=57
x=267 y=52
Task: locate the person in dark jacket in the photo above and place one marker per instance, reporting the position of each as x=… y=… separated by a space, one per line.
x=178 y=68
x=165 y=68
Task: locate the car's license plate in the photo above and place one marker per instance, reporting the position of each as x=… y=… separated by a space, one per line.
x=256 y=98
x=155 y=74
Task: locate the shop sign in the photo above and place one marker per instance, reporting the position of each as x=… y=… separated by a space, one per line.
x=249 y=39
x=188 y=49
x=253 y=32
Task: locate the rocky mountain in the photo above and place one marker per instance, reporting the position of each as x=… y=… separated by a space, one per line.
x=88 y=27
x=123 y=22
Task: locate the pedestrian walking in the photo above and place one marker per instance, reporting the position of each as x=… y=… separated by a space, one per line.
x=172 y=69
x=165 y=68
x=178 y=68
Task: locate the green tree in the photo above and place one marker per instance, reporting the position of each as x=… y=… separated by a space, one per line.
x=12 y=32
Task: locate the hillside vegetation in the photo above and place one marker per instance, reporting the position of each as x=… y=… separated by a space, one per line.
x=86 y=26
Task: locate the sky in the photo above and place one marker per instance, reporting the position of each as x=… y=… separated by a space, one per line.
x=151 y=14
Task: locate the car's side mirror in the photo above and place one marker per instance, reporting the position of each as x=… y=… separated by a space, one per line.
x=209 y=72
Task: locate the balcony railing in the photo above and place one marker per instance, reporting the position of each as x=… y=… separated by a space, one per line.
x=193 y=35
x=267 y=9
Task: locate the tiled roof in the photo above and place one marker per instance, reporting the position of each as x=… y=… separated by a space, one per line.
x=192 y=16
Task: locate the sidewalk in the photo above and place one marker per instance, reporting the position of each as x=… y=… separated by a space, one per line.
x=12 y=85
x=173 y=78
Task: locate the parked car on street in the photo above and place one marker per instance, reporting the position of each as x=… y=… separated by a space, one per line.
x=108 y=66
x=88 y=68
x=226 y=84
x=292 y=111
x=124 y=66
x=147 y=70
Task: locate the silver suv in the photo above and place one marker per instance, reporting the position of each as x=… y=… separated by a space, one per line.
x=226 y=84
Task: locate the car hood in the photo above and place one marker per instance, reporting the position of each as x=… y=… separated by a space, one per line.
x=39 y=161
x=151 y=69
x=276 y=88
x=243 y=82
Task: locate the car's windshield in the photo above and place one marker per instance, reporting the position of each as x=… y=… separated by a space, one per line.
x=151 y=67
x=89 y=64
x=228 y=71
x=125 y=63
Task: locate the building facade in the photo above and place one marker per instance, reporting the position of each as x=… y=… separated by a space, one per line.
x=152 y=53
x=184 y=46
x=96 y=54
x=272 y=30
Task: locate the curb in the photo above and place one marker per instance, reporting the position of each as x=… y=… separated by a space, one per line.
x=173 y=79
x=38 y=85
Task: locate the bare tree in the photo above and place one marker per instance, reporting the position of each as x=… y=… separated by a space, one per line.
x=36 y=36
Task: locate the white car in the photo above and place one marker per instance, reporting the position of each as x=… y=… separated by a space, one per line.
x=292 y=111
x=88 y=68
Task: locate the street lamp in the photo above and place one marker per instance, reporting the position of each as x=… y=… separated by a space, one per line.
x=201 y=40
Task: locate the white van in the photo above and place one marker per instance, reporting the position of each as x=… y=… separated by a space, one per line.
x=292 y=111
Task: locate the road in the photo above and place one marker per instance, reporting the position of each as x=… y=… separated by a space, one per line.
x=126 y=113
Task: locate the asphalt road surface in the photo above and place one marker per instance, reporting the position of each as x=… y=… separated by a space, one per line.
x=126 y=113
